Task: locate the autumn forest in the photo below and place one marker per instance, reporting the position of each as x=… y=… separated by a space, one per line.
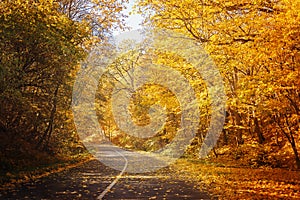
x=254 y=45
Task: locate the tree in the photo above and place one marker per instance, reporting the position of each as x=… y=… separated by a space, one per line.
x=102 y=16
x=121 y=76
x=254 y=44
x=40 y=50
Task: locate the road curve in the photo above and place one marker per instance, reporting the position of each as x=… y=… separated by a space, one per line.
x=100 y=197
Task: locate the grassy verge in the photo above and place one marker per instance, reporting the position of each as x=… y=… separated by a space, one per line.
x=240 y=183
x=13 y=178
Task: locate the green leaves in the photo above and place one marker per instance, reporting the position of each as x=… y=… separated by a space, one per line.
x=40 y=49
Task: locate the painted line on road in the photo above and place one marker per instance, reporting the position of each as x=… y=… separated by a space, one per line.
x=100 y=197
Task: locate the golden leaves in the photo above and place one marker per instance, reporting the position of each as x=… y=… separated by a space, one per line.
x=254 y=44
x=241 y=183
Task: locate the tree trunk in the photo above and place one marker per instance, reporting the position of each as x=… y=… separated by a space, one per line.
x=238 y=123
x=296 y=154
x=290 y=137
x=297 y=159
x=47 y=134
x=225 y=137
x=258 y=131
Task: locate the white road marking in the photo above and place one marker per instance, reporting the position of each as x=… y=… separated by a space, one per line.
x=100 y=197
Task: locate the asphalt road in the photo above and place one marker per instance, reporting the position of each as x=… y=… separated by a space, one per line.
x=90 y=179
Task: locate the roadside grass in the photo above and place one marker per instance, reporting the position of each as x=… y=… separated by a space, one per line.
x=239 y=182
x=32 y=172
